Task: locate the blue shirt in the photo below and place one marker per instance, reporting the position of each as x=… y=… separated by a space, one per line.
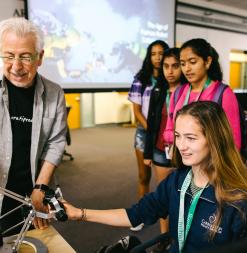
x=165 y=201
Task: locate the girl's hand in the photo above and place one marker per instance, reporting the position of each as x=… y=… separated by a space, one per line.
x=73 y=213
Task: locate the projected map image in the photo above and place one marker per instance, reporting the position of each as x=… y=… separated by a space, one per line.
x=89 y=43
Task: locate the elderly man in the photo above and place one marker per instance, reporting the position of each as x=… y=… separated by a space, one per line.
x=32 y=120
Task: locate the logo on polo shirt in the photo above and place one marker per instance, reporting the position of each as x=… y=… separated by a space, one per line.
x=209 y=224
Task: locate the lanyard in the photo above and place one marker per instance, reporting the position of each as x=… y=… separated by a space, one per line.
x=153 y=81
x=182 y=233
x=186 y=101
x=168 y=96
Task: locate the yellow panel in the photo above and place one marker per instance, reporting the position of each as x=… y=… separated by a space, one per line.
x=73 y=100
x=235 y=75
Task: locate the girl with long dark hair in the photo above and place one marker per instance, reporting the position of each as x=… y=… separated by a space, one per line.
x=155 y=154
x=139 y=94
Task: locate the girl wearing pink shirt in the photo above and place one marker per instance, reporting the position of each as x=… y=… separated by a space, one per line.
x=200 y=65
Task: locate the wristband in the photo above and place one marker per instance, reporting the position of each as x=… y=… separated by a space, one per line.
x=42 y=187
x=83 y=214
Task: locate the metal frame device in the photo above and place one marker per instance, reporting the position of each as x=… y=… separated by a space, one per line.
x=56 y=211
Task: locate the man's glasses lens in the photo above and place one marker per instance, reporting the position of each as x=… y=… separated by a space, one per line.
x=24 y=60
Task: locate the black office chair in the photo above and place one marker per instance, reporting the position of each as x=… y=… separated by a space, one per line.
x=68 y=137
x=132 y=244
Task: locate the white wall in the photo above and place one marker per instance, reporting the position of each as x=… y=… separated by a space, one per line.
x=112 y=107
x=222 y=41
x=9 y=8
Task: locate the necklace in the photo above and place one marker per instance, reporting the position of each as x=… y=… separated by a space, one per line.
x=194 y=188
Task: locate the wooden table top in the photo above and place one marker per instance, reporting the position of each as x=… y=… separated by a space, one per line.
x=50 y=238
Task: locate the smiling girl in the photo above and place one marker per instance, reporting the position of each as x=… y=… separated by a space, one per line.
x=205 y=198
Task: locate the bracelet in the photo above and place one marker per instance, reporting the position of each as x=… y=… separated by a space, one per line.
x=83 y=214
x=42 y=187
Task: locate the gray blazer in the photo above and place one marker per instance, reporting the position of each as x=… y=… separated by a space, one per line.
x=48 y=128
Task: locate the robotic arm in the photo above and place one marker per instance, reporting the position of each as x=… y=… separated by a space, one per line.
x=51 y=198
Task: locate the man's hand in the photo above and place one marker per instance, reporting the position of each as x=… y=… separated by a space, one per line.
x=37 y=197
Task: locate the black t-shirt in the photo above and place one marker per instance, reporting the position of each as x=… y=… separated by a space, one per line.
x=19 y=178
x=21 y=113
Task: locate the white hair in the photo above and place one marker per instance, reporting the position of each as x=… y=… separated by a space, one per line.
x=22 y=27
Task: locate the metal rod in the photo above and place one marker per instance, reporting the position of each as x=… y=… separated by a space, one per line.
x=23 y=231
x=3 y=190
x=16 y=225
x=23 y=200
x=11 y=211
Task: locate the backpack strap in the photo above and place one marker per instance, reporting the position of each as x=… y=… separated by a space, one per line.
x=178 y=93
x=219 y=93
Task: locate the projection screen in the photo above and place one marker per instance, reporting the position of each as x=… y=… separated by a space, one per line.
x=99 y=44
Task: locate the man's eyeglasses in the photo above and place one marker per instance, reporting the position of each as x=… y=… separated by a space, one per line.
x=26 y=60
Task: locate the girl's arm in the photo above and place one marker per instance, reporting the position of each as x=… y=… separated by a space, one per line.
x=113 y=217
x=139 y=116
x=231 y=108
